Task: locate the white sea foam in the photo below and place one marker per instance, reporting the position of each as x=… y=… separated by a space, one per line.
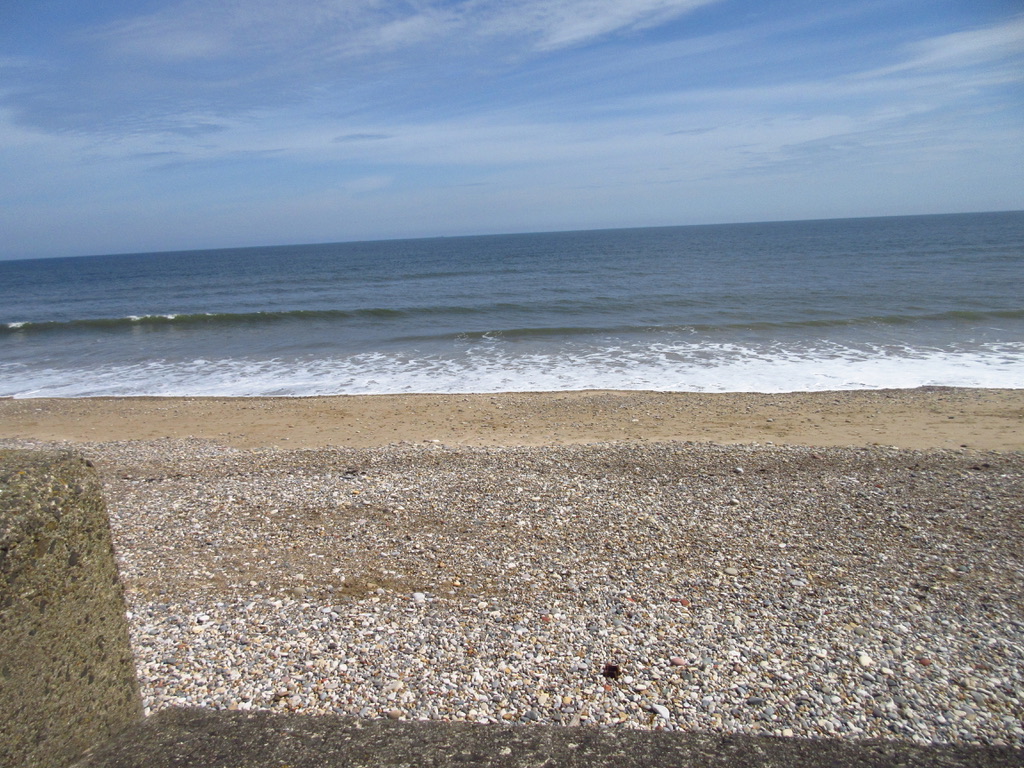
x=708 y=368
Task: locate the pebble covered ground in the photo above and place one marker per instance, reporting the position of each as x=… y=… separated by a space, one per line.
x=855 y=592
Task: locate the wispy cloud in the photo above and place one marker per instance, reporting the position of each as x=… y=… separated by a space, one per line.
x=572 y=22
x=228 y=59
x=924 y=79
x=196 y=30
x=999 y=42
x=480 y=114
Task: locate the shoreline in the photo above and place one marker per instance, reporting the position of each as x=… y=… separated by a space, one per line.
x=929 y=417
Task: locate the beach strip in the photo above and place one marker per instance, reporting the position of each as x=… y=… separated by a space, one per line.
x=931 y=417
x=473 y=558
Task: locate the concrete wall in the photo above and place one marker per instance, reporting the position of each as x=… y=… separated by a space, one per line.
x=67 y=677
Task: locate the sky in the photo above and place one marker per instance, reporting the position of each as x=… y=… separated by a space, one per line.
x=155 y=126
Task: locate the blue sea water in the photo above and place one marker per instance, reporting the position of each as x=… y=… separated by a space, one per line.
x=772 y=307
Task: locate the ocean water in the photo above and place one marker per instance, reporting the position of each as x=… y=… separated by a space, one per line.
x=816 y=305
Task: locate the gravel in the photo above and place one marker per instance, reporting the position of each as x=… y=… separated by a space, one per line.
x=856 y=592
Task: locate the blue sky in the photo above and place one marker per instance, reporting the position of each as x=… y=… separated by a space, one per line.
x=146 y=126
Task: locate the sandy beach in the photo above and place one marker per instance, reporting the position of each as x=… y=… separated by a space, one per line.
x=983 y=419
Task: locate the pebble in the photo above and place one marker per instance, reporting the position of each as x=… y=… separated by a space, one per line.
x=375 y=532
x=661 y=711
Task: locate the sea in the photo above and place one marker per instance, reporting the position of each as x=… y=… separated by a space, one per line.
x=869 y=303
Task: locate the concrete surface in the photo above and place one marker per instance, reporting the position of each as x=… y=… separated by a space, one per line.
x=196 y=737
x=67 y=677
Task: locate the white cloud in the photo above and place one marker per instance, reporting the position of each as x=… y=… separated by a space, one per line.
x=410 y=30
x=572 y=22
x=739 y=126
x=407 y=115
x=963 y=49
x=198 y=29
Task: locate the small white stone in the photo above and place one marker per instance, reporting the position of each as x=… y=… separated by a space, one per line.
x=661 y=711
x=865 y=661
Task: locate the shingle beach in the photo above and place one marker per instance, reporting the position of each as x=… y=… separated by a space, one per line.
x=860 y=591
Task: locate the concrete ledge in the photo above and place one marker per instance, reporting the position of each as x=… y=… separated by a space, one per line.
x=67 y=676
x=217 y=739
